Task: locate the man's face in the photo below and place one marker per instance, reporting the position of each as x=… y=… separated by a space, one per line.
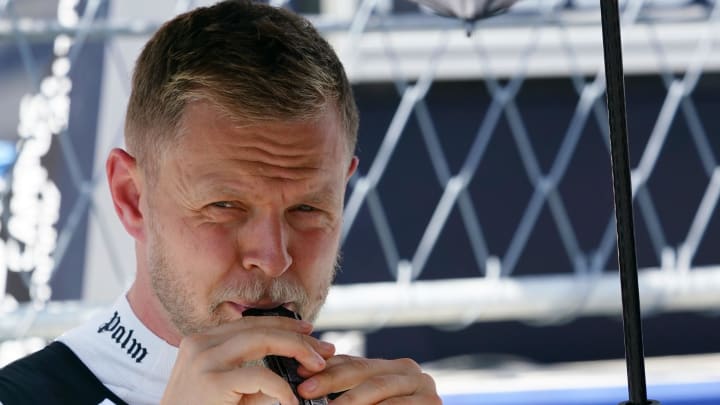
x=245 y=216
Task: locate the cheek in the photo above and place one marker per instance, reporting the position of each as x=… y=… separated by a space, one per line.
x=314 y=254
x=200 y=249
x=214 y=245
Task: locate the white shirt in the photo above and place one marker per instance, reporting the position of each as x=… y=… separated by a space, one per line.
x=127 y=357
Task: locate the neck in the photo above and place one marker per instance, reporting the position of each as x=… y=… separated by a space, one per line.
x=148 y=308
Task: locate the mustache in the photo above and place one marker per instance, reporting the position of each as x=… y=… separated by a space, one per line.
x=277 y=290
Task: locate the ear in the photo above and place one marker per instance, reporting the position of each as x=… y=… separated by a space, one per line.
x=125 y=188
x=352 y=167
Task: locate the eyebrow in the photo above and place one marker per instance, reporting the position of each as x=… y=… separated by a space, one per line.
x=324 y=196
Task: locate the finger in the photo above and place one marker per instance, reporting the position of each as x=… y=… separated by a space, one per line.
x=362 y=364
x=221 y=331
x=250 y=383
x=250 y=345
x=430 y=398
x=325 y=349
x=378 y=388
x=345 y=372
x=393 y=389
x=215 y=336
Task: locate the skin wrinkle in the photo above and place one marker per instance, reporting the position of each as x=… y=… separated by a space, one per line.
x=264 y=152
x=276 y=172
x=216 y=187
x=258 y=147
x=285 y=160
x=275 y=145
x=301 y=163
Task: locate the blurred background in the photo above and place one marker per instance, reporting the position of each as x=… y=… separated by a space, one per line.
x=479 y=232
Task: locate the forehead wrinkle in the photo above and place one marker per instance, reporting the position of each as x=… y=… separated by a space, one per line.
x=290 y=152
x=246 y=173
x=261 y=157
x=276 y=172
x=291 y=139
x=281 y=143
x=323 y=194
x=279 y=136
x=242 y=160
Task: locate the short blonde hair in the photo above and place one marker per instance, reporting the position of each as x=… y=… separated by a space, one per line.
x=256 y=62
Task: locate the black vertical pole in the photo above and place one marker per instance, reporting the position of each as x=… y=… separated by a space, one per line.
x=623 y=203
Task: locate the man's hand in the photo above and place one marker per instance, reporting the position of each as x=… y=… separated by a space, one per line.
x=370 y=381
x=209 y=368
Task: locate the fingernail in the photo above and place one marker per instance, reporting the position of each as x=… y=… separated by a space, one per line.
x=310 y=385
x=327 y=345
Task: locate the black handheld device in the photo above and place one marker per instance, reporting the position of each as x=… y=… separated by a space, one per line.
x=285 y=367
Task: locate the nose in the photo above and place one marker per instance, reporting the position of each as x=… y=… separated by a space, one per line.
x=264 y=246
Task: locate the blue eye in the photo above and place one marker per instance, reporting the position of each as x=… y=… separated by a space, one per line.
x=305 y=208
